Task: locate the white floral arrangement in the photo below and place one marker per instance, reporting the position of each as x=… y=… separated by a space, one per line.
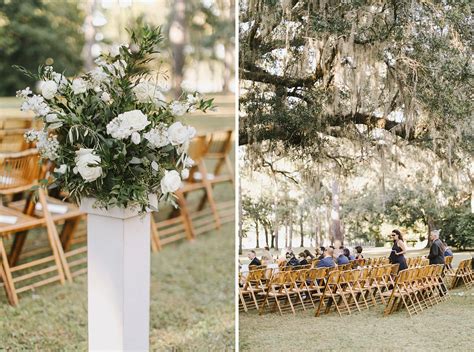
x=110 y=132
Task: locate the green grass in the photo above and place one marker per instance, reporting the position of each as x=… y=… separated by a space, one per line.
x=192 y=303
x=446 y=326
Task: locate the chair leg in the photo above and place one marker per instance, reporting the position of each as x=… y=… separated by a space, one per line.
x=185 y=217
x=68 y=231
x=155 y=238
x=58 y=253
x=8 y=279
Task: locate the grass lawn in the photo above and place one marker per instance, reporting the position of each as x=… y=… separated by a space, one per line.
x=192 y=303
x=447 y=325
x=192 y=291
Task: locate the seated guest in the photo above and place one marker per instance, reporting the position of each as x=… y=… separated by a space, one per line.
x=302 y=258
x=267 y=256
x=347 y=253
x=308 y=255
x=327 y=261
x=321 y=252
x=359 y=253
x=447 y=252
x=253 y=258
x=291 y=260
x=341 y=258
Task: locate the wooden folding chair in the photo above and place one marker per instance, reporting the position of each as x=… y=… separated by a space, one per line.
x=217 y=152
x=347 y=294
x=254 y=283
x=463 y=273
x=315 y=283
x=19 y=172
x=299 y=288
x=401 y=294
x=182 y=223
x=278 y=290
x=12 y=135
x=330 y=295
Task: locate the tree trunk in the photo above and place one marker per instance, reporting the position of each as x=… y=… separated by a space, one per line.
x=431 y=227
x=301 y=231
x=89 y=35
x=291 y=234
x=275 y=237
x=336 y=222
x=286 y=234
x=177 y=38
x=265 y=229
x=257 y=235
x=240 y=219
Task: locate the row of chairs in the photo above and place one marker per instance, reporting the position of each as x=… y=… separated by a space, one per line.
x=213 y=150
x=416 y=289
x=63 y=255
x=463 y=274
x=322 y=289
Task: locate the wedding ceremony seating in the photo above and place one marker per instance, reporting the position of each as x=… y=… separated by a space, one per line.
x=191 y=221
x=463 y=274
x=11 y=135
x=346 y=290
x=19 y=172
x=417 y=289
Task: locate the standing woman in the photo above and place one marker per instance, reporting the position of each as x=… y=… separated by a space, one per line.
x=398 y=250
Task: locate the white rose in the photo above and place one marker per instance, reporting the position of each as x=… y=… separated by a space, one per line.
x=79 y=86
x=184 y=174
x=49 y=89
x=105 y=97
x=98 y=75
x=178 y=108
x=158 y=136
x=179 y=134
x=170 y=182
x=147 y=92
x=86 y=164
x=136 y=138
x=61 y=170
x=125 y=124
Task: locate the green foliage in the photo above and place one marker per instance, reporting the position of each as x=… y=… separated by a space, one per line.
x=457 y=227
x=32 y=32
x=131 y=171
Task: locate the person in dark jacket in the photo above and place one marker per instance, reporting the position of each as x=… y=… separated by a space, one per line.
x=291 y=260
x=342 y=259
x=320 y=252
x=359 y=253
x=347 y=253
x=436 y=255
x=327 y=261
x=253 y=258
x=302 y=258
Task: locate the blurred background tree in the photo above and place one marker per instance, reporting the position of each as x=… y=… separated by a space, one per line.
x=198 y=53
x=37 y=32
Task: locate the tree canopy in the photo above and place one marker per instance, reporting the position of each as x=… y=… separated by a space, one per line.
x=32 y=32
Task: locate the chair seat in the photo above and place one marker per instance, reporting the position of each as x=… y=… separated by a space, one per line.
x=59 y=210
x=18 y=220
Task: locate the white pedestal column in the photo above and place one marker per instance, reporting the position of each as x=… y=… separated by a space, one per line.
x=118 y=250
